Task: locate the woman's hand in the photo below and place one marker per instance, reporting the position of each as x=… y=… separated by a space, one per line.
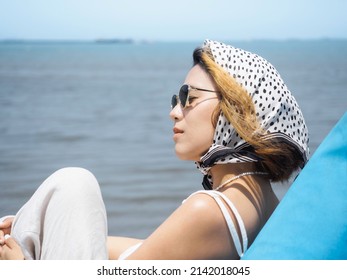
x=5 y=228
x=10 y=250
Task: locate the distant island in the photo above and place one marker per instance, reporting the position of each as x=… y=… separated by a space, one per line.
x=115 y=41
x=98 y=41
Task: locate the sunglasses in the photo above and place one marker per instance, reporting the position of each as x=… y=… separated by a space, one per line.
x=183 y=96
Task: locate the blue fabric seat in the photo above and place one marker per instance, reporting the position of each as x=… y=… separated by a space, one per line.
x=311 y=220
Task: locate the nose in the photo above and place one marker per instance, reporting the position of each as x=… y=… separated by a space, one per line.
x=176 y=112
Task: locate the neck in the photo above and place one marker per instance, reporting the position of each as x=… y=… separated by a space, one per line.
x=222 y=172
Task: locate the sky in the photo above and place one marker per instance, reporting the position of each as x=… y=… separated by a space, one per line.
x=178 y=20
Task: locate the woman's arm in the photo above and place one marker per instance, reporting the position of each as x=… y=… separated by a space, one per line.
x=9 y=249
x=196 y=230
x=117 y=245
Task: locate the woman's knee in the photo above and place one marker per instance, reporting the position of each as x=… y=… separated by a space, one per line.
x=73 y=180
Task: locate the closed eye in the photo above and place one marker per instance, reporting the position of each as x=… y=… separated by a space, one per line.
x=191 y=99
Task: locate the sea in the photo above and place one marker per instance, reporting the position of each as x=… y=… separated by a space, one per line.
x=105 y=107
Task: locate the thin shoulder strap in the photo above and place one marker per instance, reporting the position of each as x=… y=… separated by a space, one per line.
x=238 y=219
x=218 y=197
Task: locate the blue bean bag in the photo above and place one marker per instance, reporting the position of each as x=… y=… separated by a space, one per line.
x=310 y=222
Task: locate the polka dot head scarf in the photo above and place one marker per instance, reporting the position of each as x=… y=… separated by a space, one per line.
x=276 y=109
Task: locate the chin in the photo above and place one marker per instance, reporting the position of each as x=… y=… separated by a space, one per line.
x=185 y=156
x=181 y=157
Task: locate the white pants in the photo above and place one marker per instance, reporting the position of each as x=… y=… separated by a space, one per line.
x=64 y=219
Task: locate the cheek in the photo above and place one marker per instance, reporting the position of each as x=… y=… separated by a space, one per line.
x=194 y=144
x=204 y=139
x=198 y=139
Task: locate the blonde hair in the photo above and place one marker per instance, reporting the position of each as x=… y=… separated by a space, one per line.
x=279 y=159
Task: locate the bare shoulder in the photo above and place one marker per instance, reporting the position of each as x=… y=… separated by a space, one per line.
x=199 y=203
x=196 y=230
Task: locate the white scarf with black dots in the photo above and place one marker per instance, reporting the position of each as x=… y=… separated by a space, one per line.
x=277 y=110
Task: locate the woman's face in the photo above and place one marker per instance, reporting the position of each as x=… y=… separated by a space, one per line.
x=193 y=129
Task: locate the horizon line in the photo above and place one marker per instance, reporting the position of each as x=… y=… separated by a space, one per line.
x=136 y=41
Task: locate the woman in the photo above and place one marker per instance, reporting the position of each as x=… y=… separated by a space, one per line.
x=237 y=120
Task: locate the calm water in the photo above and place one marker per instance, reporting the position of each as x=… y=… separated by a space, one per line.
x=105 y=107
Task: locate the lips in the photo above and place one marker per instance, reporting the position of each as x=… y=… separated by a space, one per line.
x=177 y=133
x=177 y=130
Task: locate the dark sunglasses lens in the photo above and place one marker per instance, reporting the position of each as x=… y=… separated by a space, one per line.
x=183 y=94
x=173 y=101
